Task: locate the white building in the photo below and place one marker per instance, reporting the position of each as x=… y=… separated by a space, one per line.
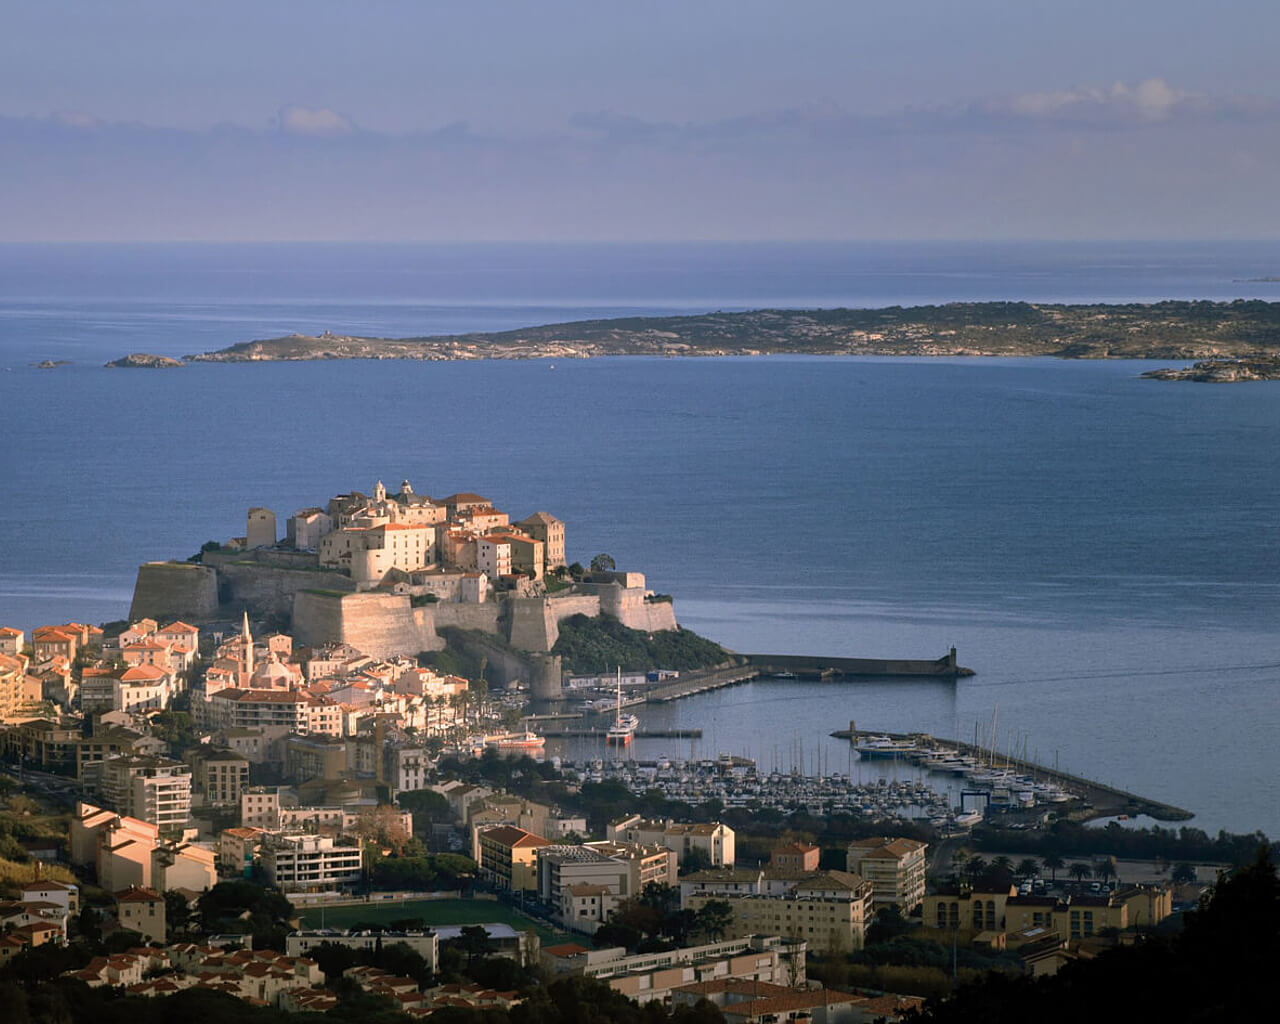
x=151 y=789
x=306 y=863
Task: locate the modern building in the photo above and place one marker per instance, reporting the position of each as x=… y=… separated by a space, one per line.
x=894 y=867
x=152 y=789
x=307 y=863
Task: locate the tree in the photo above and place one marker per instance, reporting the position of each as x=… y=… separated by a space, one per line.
x=1079 y=870
x=1053 y=862
x=1105 y=870
x=1183 y=874
x=603 y=563
x=975 y=868
x=1028 y=868
x=714 y=919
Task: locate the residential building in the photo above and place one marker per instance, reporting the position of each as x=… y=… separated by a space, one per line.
x=307 y=863
x=152 y=789
x=219 y=776
x=305 y=528
x=238 y=849
x=796 y=857
x=828 y=910
x=713 y=841
x=12 y=641
x=508 y=857
x=141 y=909
x=182 y=865
x=64 y=894
x=895 y=867
x=962 y=909
x=649 y=977
x=260 y=805
x=44 y=744
x=550 y=530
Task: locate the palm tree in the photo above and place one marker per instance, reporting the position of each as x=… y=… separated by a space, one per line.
x=1053 y=862
x=976 y=868
x=1028 y=868
x=1080 y=870
x=1105 y=870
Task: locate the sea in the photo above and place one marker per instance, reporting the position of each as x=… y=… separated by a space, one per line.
x=1102 y=550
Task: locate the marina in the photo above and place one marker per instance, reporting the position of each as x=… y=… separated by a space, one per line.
x=1010 y=779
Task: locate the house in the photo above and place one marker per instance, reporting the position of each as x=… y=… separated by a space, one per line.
x=141 y=909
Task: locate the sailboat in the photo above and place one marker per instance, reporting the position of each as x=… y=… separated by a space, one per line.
x=624 y=727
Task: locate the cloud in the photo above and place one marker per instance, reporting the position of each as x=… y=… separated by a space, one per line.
x=319 y=121
x=1152 y=99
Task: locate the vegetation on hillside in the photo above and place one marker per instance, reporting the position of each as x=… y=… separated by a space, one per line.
x=590 y=646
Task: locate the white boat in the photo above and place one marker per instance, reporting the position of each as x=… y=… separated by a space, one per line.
x=624 y=727
x=518 y=741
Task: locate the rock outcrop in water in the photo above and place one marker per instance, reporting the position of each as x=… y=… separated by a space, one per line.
x=144 y=361
x=1223 y=371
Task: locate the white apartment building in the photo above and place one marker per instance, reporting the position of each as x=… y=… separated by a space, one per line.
x=306 y=863
x=894 y=867
x=151 y=789
x=714 y=840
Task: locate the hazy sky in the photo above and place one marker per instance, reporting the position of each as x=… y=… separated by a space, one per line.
x=654 y=119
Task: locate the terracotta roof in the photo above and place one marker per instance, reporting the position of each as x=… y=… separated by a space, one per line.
x=137 y=894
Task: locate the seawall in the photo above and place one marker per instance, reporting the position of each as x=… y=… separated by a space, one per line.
x=811 y=666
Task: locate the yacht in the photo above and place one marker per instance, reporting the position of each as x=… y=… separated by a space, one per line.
x=624 y=727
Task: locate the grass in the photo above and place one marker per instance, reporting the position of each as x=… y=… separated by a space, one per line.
x=432 y=912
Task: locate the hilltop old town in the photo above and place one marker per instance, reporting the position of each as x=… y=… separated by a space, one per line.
x=225 y=805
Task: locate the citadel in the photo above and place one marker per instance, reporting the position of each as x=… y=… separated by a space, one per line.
x=396 y=574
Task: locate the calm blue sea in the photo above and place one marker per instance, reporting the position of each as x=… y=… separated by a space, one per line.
x=1101 y=549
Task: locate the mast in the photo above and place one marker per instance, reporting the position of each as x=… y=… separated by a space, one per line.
x=618 y=716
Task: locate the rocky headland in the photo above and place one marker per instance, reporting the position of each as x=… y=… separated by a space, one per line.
x=1223 y=371
x=1164 y=330
x=144 y=361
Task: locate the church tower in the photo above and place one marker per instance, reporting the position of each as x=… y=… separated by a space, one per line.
x=246 y=638
x=379 y=492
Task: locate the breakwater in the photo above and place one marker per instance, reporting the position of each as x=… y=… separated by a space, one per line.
x=809 y=666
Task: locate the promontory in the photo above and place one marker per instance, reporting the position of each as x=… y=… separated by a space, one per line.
x=1164 y=330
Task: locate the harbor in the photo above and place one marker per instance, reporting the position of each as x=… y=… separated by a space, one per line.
x=1008 y=775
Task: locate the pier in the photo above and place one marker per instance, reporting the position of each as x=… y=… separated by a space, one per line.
x=640 y=734
x=1103 y=800
x=690 y=683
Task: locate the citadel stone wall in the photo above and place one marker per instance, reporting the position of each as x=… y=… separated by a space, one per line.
x=269 y=590
x=380 y=625
x=175 y=590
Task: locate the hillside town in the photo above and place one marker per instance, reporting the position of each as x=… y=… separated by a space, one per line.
x=180 y=770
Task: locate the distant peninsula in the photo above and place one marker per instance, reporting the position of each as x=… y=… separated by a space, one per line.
x=1165 y=330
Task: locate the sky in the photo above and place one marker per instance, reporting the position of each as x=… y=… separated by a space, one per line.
x=485 y=120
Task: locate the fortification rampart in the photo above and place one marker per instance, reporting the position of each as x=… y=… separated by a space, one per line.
x=380 y=625
x=175 y=590
x=269 y=590
x=482 y=617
